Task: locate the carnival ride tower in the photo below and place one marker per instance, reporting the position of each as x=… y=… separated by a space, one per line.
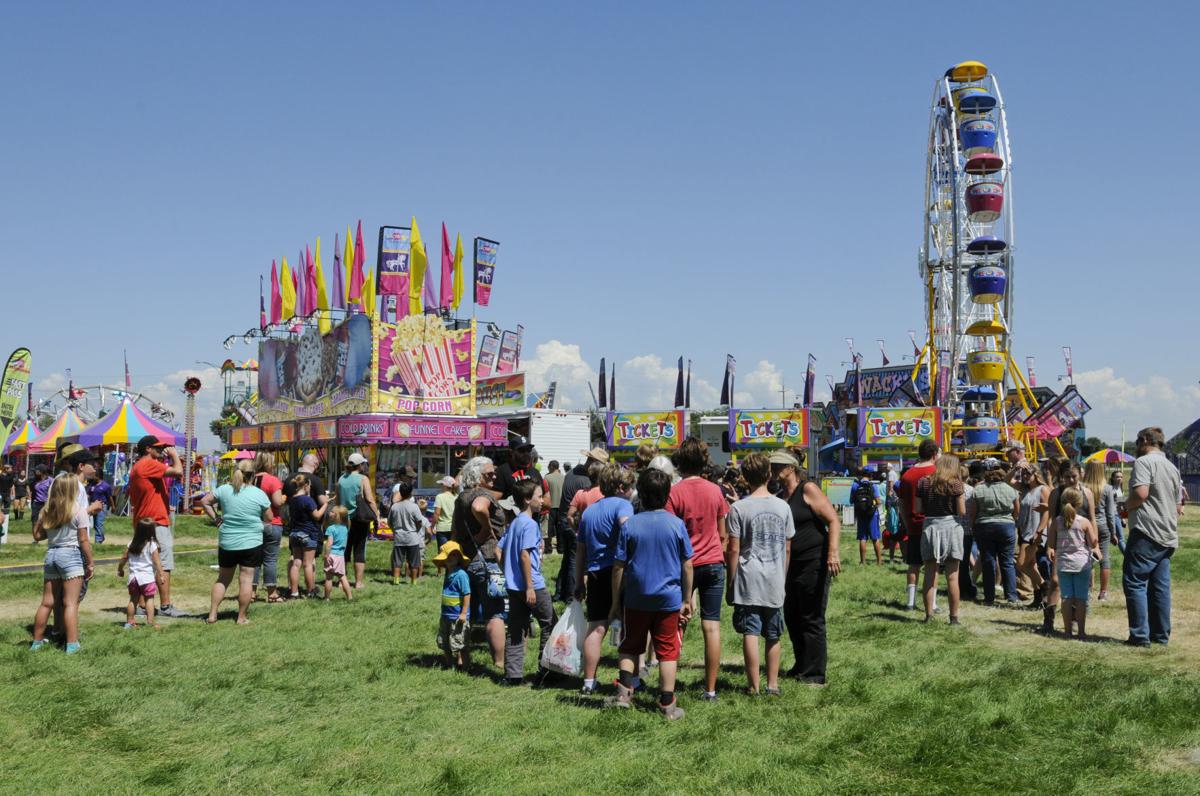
x=967 y=259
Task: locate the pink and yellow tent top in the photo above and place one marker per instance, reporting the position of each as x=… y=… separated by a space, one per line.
x=20 y=437
x=125 y=425
x=47 y=442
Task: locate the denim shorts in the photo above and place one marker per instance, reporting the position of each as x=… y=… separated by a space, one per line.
x=755 y=620
x=709 y=580
x=1075 y=585
x=301 y=540
x=63 y=563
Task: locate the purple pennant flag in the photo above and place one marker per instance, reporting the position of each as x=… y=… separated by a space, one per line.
x=338 y=299
x=612 y=390
x=687 y=390
x=602 y=401
x=679 y=386
x=301 y=285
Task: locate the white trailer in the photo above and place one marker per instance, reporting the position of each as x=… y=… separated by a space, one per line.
x=557 y=435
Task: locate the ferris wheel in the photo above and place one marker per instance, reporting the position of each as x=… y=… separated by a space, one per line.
x=966 y=258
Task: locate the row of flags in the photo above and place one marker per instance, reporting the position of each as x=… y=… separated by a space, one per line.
x=300 y=289
x=607 y=397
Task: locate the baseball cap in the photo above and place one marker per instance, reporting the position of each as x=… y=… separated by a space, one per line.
x=445 y=551
x=445 y=481
x=1014 y=446
x=785 y=458
x=356 y=458
x=153 y=441
x=599 y=454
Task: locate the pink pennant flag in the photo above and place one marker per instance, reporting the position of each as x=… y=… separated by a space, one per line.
x=310 y=276
x=447 y=290
x=276 y=296
x=356 y=274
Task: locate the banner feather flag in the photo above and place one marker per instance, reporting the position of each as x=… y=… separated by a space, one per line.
x=446 y=291
x=458 y=272
x=338 y=294
x=602 y=401
x=276 y=296
x=418 y=265
x=357 y=276
x=287 y=290
x=348 y=265
x=323 y=324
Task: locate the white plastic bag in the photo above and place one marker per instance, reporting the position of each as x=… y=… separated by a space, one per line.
x=564 y=649
x=616 y=633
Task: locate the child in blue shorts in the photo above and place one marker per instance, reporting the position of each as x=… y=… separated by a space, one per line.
x=1072 y=546
x=760 y=533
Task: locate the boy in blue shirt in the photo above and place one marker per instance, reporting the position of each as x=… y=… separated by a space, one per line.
x=521 y=558
x=456 y=604
x=653 y=564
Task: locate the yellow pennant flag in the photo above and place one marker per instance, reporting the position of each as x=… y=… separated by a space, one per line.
x=458 y=274
x=323 y=323
x=348 y=264
x=417 y=266
x=287 y=291
x=368 y=294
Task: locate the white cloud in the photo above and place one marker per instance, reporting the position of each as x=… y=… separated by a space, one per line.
x=52 y=383
x=1115 y=400
x=169 y=392
x=562 y=362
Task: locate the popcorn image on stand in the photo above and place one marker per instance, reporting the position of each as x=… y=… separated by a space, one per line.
x=423 y=358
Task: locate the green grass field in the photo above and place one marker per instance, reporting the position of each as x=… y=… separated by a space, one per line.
x=348 y=696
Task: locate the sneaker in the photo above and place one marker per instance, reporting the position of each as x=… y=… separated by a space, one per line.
x=312 y=595
x=140 y=611
x=1102 y=597
x=623 y=699
x=954 y=620
x=170 y=610
x=707 y=697
x=72 y=647
x=129 y=626
x=587 y=690
x=773 y=692
x=937 y=609
x=1131 y=642
x=514 y=681
x=37 y=645
x=671 y=711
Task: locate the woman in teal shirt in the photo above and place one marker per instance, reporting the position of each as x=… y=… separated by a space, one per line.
x=352 y=487
x=244 y=510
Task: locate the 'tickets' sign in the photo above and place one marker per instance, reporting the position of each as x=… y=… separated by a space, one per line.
x=757 y=429
x=899 y=428
x=628 y=430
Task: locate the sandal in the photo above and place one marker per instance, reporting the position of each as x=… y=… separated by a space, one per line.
x=274 y=598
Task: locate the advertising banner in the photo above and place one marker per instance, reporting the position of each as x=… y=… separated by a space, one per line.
x=443 y=431
x=394 y=246
x=244 y=436
x=509 y=345
x=879 y=384
x=425 y=368
x=485 y=269
x=500 y=393
x=899 y=428
x=628 y=430
x=365 y=428
x=12 y=392
x=278 y=433
x=318 y=430
x=316 y=375
x=766 y=429
x=489 y=353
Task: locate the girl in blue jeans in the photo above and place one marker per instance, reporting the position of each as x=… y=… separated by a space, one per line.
x=1072 y=546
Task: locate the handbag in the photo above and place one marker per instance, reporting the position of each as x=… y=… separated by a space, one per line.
x=496 y=586
x=363 y=512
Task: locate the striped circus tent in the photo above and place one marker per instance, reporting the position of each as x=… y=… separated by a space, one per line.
x=125 y=425
x=20 y=437
x=47 y=442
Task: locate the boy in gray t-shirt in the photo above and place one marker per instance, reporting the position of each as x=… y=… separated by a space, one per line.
x=409 y=531
x=760 y=533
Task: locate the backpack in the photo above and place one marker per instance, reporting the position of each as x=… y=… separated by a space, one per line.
x=864 y=498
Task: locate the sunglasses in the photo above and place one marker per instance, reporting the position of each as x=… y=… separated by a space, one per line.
x=489 y=475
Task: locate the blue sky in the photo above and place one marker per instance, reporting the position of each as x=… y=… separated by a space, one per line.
x=685 y=179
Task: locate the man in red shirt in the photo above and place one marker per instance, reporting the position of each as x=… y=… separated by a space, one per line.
x=702 y=506
x=148 y=498
x=907 y=490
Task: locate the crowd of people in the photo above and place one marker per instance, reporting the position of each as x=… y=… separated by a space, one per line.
x=645 y=547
